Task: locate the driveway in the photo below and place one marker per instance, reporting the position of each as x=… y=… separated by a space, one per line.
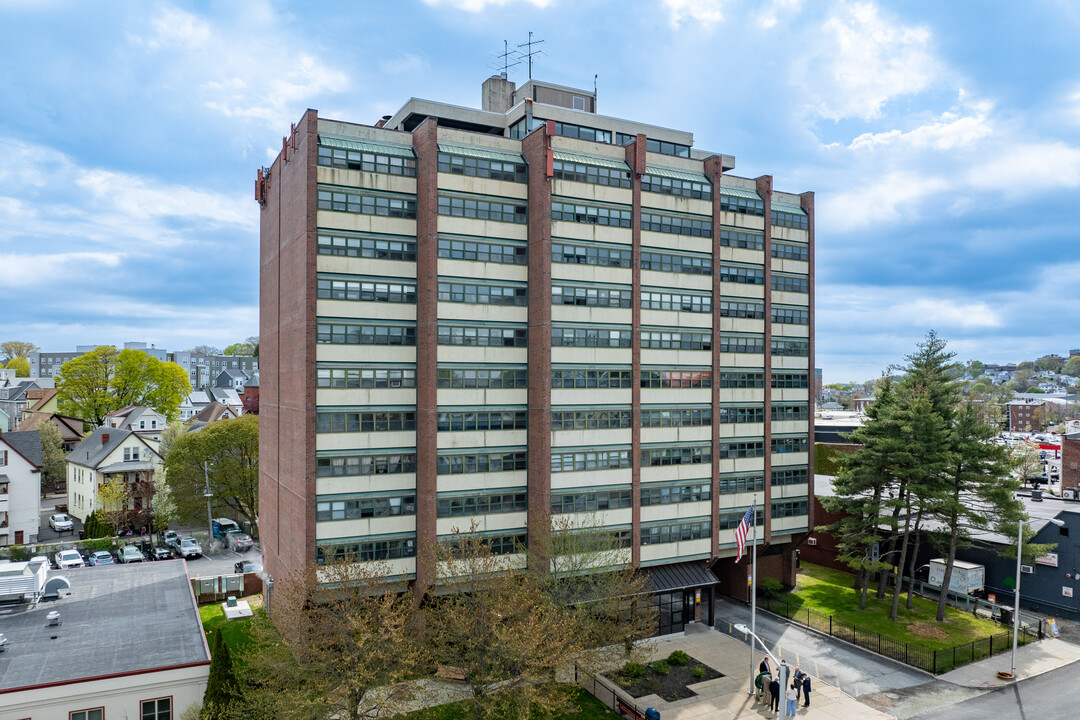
x=220 y=561
x=47 y=507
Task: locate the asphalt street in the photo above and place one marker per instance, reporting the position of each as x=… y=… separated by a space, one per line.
x=1050 y=696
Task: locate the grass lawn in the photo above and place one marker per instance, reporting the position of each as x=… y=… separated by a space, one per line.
x=234 y=633
x=829 y=592
x=589 y=709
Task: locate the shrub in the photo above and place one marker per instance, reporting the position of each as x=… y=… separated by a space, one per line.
x=96 y=527
x=633 y=670
x=678 y=658
x=770 y=587
x=19 y=553
x=105 y=543
x=660 y=667
x=698 y=672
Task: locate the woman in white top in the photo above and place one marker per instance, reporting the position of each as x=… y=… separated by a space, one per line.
x=792 y=701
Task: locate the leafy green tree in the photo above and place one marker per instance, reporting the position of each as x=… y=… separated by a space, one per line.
x=1034 y=389
x=1050 y=364
x=230 y=451
x=54 y=469
x=1026 y=365
x=222 y=687
x=1072 y=366
x=96 y=526
x=20 y=365
x=102 y=380
x=240 y=348
x=12 y=349
x=975 y=368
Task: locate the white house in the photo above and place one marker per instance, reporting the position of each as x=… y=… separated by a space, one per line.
x=147 y=422
x=128 y=644
x=111 y=454
x=20 y=486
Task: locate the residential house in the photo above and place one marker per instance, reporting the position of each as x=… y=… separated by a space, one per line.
x=108 y=455
x=230 y=378
x=227 y=396
x=129 y=644
x=211 y=413
x=14 y=399
x=145 y=421
x=71 y=428
x=250 y=396
x=43 y=401
x=20 y=486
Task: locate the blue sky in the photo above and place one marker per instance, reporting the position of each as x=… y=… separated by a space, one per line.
x=942 y=140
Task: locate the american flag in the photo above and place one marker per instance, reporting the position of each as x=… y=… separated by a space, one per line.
x=740 y=533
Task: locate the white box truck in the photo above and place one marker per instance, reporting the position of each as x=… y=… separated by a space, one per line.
x=966 y=577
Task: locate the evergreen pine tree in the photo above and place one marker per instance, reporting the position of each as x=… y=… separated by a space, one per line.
x=222 y=688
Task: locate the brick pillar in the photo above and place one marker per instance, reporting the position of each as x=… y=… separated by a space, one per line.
x=714 y=169
x=635 y=157
x=1070 y=461
x=807 y=202
x=764 y=189
x=536 y=147
x=426 y=144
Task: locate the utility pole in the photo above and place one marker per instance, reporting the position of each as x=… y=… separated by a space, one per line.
x=209 y=518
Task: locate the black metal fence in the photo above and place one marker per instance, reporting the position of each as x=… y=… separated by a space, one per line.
x=934 y=661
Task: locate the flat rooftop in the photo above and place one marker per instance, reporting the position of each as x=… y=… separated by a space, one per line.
x=114 y=619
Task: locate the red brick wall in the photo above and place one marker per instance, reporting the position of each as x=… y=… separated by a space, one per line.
x=636 y=158
x=1070 y=462
x=825 y=552
x=765 y=189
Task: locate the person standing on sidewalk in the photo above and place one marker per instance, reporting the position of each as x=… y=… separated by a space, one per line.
x=796 y=679
x=792 y=701
x=774 y=695
x=764 y=666
x=806 y=689
x=761 y=682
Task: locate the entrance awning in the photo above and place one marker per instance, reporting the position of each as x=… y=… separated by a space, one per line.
x=679 y=576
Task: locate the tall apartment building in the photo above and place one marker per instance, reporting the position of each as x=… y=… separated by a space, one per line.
x=505 y=314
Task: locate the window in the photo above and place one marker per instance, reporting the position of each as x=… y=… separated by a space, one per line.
x=744 y=240
x=507 y=170
x=590 y=214
x=790 y=315
x=590 y=460
x=676 y=262
x=742 y=275
x=353 y=201
x=731 y=484
x=159 y=709
x=487 y=377
x=367 y=247
x=790 y=444
x=664 y=340
x=742 y=449
x=590 y=501
x=589 y=255
x=469 y=421
x=676 y=455
x=483 y=251
x=483 y=335
x=790 y=476
x=361 y=507
x=789 y=508
x=753 y=309
x=364 y=334
x=790 y=283
x=740 y=415
x=373 y=549
x=351 y=378
x=680 y=302
x=676 y=417
x=676 y=378
x=675 y=186
x=583 y=133
x=486 y=504
x=590 y=337
x=676 y=225
x=791 y=252
x=483 y=462
x=790 y=412
x=742 y=344
x=376 y=421
x=675 y=532
x=742 y=205
x=670 y=493
x=790 y=380
x=368 y=161
x=499 y=544
x=790 y=348
x=590 y=378
x=366 y=291
x=3 y=458
x=131 y=454
x=797 y=220
x=591 y=296
x=589 y=419
x=92 y=714
x=594 y=174
x=388 y=463
x=730 y=519
x=461 y=292
x=469 y=207
x=666 y=148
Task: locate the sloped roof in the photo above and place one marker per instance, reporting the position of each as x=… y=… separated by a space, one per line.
x=43 y=397
x=70 y=427
x=91 y=451
x=679 y=576
x=27 y=443
x=210 y=413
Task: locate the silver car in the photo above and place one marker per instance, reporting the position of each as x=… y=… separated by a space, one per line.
x=61 y=523
x=188 y=547
x=130 y=554
x=239 y=541
x=68 y=559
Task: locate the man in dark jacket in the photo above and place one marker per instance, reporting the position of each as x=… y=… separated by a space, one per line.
x=764 y=666
x=774 y=692
x=806 y=689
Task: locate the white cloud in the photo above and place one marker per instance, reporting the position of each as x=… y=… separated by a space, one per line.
x=704 y=12
x=1027 y=168
x=890 y=199
x=771 y=14
x=403 y=64
x=479 y=5
x=956 y=128
x=861 y=61
x=23 y=271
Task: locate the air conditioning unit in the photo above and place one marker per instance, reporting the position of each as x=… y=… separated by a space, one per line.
x=811 y=541
x=1027 y=569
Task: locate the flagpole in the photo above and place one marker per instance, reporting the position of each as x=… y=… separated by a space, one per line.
x=753 y=589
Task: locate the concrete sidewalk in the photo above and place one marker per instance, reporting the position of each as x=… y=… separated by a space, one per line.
x=727 y=697
x=1031 y=660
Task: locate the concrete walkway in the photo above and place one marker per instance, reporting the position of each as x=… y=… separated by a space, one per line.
x=1031 y=660
x=727 y=697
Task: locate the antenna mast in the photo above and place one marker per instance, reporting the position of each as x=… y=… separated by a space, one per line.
x=505 y=60
x=529 y=52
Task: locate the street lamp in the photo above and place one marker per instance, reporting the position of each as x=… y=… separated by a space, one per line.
x=1016 y=593
x=746 y=631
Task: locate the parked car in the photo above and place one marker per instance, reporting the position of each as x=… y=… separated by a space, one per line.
x=157 y=552
x=61 y=523
x=130 y=554
x=171 y=538
x=68 y=559
x=187 y=547
x=239 y=541
x=244 y=566
x=101 y=557
x=221 y=527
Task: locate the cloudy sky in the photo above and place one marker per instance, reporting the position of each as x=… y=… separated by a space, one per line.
x=942 y=140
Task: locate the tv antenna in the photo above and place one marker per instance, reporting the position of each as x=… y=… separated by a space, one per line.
x=505 y=60
x=529 y=52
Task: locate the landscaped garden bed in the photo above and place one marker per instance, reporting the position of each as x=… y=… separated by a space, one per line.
x=670 y=679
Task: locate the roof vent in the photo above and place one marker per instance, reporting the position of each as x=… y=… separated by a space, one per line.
x=53 y=618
